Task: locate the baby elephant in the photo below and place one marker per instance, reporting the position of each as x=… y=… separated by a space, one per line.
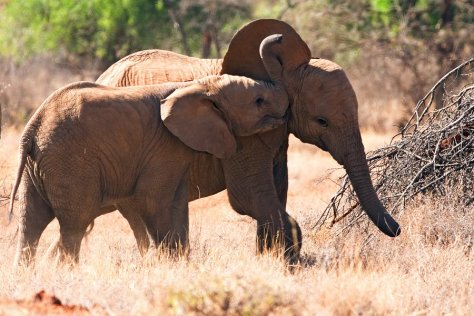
x=90 y=149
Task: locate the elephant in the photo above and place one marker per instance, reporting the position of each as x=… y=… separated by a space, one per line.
x=322 y=111
x=89 y=149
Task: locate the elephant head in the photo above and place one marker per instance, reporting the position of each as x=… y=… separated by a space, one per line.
x=323 y=105
x=226 y=105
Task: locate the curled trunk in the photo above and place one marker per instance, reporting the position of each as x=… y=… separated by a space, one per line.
x=273 y=65
x=270 y=59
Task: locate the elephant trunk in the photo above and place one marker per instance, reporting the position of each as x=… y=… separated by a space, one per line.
x=356 y=166
x=270 y=58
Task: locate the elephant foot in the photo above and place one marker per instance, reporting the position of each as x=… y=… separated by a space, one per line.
x=285 y=238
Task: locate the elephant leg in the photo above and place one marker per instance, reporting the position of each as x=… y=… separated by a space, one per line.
x=280 y=172
x=169 y=228
x=285 y=232
x=35 y=216
x=256 y=185
x=72 y=231
x=75 y=198
x=137 y=225
x=180 y=217
x=292 y=231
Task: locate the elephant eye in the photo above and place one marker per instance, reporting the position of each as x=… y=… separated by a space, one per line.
x=259 y=101
x=214 y=105
x=322 y=121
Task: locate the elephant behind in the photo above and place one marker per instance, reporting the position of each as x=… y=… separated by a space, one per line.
x=323 y=112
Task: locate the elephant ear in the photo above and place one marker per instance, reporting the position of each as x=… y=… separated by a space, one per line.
x=191 y=115
x=243 y=56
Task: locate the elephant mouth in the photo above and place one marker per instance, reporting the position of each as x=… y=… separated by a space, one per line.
x=278 y=120
x=269 y=122
x=320 y=143
x=273 y=121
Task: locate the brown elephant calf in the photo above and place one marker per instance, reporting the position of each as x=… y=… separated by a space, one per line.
x=91 y=148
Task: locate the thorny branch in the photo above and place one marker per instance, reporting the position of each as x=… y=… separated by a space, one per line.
x=432 y=152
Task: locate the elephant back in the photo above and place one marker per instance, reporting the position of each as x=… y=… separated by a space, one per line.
x=158 y=66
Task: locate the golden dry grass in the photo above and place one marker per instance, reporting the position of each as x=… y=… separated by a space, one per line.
x=429 y=269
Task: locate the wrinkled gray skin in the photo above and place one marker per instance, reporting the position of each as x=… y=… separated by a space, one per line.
x=323 y=109
x=90 y=149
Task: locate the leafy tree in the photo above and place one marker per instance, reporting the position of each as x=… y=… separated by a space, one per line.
x=109 y=30
x=94 y=29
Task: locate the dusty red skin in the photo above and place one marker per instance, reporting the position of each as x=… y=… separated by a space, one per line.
x=43 y=303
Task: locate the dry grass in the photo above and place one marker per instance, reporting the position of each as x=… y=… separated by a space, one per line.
x=427 y=270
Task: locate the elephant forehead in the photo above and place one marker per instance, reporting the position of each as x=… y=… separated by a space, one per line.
x=242 y=89
x=324 y=64
x=326 y=91
x=239 y=83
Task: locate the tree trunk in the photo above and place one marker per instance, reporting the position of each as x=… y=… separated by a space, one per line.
x=178 y=24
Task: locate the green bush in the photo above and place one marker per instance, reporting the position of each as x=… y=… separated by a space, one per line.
x=108 y=30
x=99 y=29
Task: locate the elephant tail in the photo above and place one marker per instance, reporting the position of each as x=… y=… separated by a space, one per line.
x=26 y=144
